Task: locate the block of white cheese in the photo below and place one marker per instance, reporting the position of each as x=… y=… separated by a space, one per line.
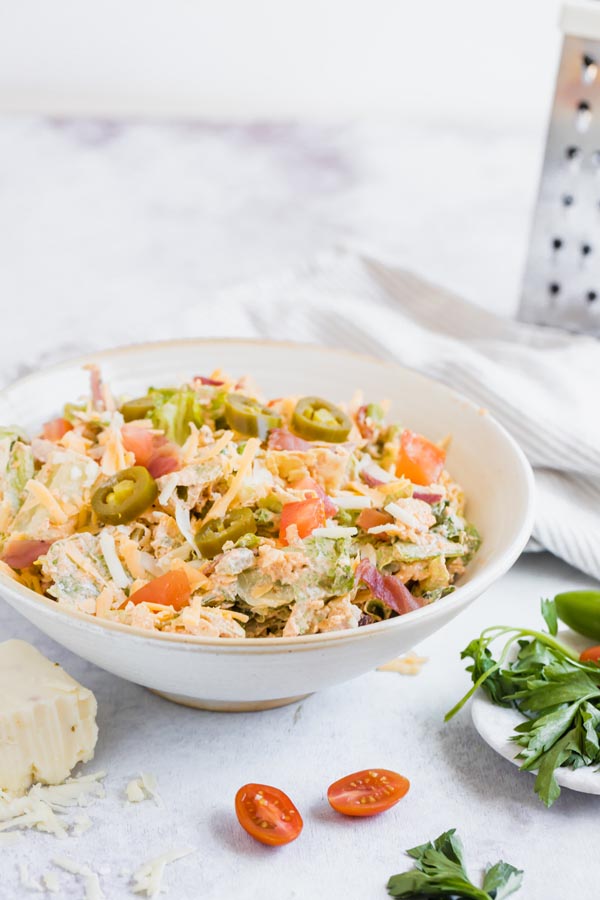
x=47 y=719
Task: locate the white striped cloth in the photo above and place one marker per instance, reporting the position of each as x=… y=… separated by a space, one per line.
x=542 y=384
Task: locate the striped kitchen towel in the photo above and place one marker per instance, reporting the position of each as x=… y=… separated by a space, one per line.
x=542 y=384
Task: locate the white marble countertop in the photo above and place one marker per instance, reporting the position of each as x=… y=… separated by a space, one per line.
x=108 y=233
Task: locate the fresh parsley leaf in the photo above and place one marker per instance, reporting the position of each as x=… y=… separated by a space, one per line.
x=440 y=872
x=558 y=694
x=550 y=615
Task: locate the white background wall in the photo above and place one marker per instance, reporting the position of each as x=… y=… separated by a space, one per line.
x=467 y=59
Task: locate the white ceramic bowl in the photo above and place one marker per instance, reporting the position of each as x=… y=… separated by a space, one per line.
x=221 y=673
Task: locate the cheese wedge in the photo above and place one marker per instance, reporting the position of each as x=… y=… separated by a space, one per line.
x=47 y=719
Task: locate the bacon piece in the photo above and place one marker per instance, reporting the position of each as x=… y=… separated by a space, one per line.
x=280 y=439
x=209 y=381
x=20 y=554
x=387 y=588
x=367 y=431
x=309 y=484
x=164 y=460
x=96 y=387
x=153 y=451
x=370 y=518
x=139 y=441
x=427 y=496
x=55 y=429
x=371 y=480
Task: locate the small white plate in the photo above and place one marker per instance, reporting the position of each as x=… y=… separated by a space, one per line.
x=496 y=724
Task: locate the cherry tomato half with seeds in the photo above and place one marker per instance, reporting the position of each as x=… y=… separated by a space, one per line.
x=592 y=654
x=267 y=814
x=368 y=792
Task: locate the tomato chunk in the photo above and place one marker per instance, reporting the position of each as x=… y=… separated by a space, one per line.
x=55 y=429
x=309 y=484
x=371 y=518
x=419 y=460
x=172 y=589
x=592 y=654
x=267 y=814
x=368 y=792
x=306 y=515
x=138 y=441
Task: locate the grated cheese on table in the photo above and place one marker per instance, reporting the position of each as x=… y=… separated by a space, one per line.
x=44 y=807
x=143 y=788
x=148 y=878
x=91 y=882
x=410 y=664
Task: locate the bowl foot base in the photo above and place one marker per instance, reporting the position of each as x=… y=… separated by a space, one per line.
x=229 y=705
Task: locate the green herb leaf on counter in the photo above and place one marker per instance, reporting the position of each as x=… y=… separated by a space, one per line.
x=557 y=693
x=440 y=872
x=550 y=615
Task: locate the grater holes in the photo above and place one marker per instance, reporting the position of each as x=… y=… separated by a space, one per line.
x=585 y=249
x=567 y=200
x=589 y=69
x=554 y=288
x=583 y=116
x=572 y=153
x=591 y=296
x=557 y=243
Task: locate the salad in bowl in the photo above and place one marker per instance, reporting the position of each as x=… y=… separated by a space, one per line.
x=208 y=509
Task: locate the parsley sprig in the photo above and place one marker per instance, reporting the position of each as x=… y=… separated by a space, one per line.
x=440 y=872
x=547 y=683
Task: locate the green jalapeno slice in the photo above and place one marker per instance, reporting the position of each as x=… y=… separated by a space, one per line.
x=249 y=417
x=137 y=409
x=214 y=534
x=580 y=610
x=125 y=496
x=319 y=420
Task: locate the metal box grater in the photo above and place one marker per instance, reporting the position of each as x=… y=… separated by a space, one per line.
x=561 y=285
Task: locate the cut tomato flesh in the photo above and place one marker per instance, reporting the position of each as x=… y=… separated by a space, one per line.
x=368 y=792
x=419 y=460
x=267 y=814
x=171 y=589
x=306 y=515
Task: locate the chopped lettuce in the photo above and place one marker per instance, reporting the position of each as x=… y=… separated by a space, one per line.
x=16 y=468
x=175 y=410
x=78 y=571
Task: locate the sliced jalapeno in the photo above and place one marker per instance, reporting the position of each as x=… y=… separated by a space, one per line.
x=248 y=416
x=137 y=409
x=125 y=496
x=319 y=420
x=214 y=534
x=580 y=610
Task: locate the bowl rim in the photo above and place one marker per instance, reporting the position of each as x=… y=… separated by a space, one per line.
x=459 y=598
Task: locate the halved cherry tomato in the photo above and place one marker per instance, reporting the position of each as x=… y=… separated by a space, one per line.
x=172 y=589
x=309 y=484
x=592 y=654
x=306 y=515
x=138 y=441
x=419 y=460
x=55 y=429
x=267 y=814
x=368 y=792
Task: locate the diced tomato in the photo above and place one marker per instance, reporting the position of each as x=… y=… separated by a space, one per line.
x=55 y=429
x=267 y=814
x=309 y=484
x=592 y=654
x=280 y=439
x=139 y=441
x=419 y=460
x=306 y=515
x=368 y=792
x=172 y=589
x=371 y=518
x=20 y=554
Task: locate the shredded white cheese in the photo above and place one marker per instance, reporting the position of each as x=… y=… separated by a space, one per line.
x=91 y=882
x=182 y=517
x=346 y=500
x=143 y=788
x=29 y=883
x=335 y=531
x=44 y=806
x=220 y=506
x=410 y=664
x=148 y=878
x=45 y=498
x=371 y=468
x=81 y=824
x=111 y=558
x=51 y=882
x=402 y=515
